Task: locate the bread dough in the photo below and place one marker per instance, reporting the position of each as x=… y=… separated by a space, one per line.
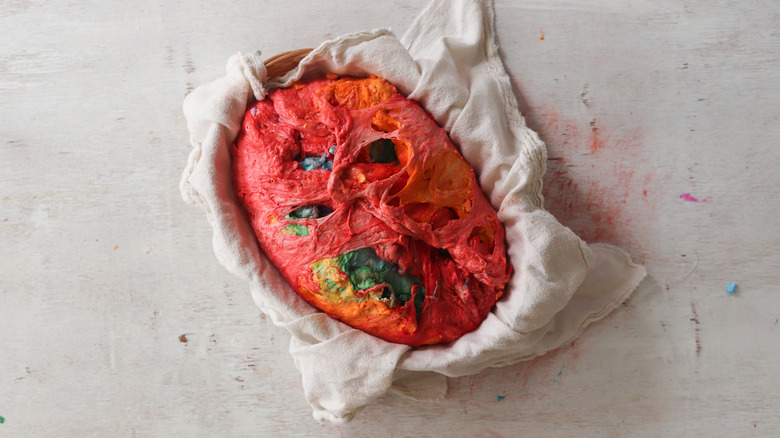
x=367 y=209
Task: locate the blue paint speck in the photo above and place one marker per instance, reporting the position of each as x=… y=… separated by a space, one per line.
x=315 y=162
x=500 y=397
x=558 y=376
x=731 y=288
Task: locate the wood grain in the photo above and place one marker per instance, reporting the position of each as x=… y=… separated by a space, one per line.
x=116 y=319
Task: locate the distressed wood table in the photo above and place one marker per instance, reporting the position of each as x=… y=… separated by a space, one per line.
x=662 y=121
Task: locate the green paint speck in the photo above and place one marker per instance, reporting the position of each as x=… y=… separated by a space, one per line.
x=2 y=420
x=500 y=397
x=297 y=229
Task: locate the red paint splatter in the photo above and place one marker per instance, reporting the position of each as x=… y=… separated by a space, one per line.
x=596 y=144
x=591 y=204
x=472 y=384
x=597 y=138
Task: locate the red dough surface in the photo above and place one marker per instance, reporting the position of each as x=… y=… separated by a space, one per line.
x=419 y=208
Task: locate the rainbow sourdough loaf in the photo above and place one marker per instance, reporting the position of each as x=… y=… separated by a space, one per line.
x=364 y=205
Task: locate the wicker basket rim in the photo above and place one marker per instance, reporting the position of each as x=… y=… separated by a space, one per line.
x=280 y=64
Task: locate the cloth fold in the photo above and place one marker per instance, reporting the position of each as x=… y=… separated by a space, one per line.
x=448 y=61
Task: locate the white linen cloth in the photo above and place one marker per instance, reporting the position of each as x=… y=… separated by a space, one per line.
x=448 y=61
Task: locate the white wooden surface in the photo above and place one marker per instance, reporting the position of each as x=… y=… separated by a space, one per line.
x=116 y=319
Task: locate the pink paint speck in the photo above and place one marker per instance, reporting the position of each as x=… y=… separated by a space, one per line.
x=688 y=197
